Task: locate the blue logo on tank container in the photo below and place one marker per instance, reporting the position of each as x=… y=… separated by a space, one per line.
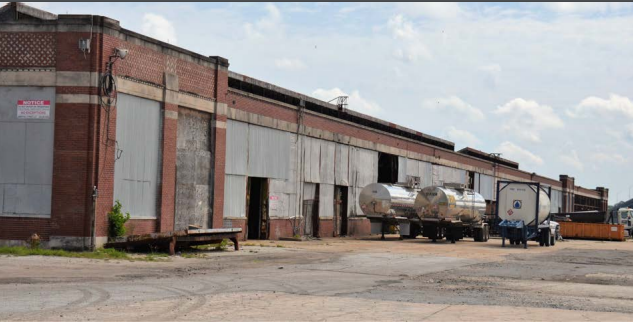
x=516 y=204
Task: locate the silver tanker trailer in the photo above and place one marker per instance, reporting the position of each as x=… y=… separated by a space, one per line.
x=391 y=204
x=452 y=211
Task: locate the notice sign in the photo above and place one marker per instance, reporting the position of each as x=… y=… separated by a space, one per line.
x=34 y=109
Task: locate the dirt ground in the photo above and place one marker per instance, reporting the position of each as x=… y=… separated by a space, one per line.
x=333 y=279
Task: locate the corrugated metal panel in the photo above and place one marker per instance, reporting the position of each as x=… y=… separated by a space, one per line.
x=451 y=175
x=363 y=166
x=426 y=174
x=402 y=169
x=309 y=191
x=26 y=154
x=326 y=171
x=234 y=196
x=236 y=147
x=341 y=165
x=138 y=133
x=436 y=175
x=268 y=153
x=312 y=156
x=413 y=168
x=282 y=198
x=486 y=186
x=326 y=200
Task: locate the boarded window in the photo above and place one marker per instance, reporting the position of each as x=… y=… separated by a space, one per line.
x=26 y=150
x=136 y=172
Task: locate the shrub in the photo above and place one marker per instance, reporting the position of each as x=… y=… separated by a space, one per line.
x=117 y=220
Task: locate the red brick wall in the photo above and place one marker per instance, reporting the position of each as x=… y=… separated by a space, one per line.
x=168 y=182
x=140 y=226
x=27 y=49
x=358 y=227
x=326 y=228
x=22 y=228
x=238 y=223
x=280 y=228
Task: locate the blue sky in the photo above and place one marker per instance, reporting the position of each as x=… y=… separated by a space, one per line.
x=548 y=85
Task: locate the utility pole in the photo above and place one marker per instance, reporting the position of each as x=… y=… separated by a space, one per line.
x=495 y=157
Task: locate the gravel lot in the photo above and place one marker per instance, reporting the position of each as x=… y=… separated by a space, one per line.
x=333 y=279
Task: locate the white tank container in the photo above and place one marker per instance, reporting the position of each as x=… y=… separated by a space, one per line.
x=387 y=199
x=517 y=202
x=449 y=203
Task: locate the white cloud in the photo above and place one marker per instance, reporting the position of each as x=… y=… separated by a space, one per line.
x=586 y=7
x=491 y=73
x=456 y=106
x=270 y=24
x=518 y=154
x=290 y=64
x=355 y=101
x=435 y=10
x=629 y=130
x=159 y=27
x=614 y=106
x=526 y=119
x=462 y=137
x=600 y=157
x=412 y=48
x=572 y=160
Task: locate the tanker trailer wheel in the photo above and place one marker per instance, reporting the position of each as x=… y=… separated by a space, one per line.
x=547 y=236
x=478 y=234
x=486 y=233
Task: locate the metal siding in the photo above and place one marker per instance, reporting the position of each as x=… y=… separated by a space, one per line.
x=326 y=171
x=341 y=172
x=436 y=176
x=136 y=173
x=26 y=160
x=268 y=153
x=282 y=198
x=402 y=169
x=486 y=186
x=234 y=196
x=426 y=174
x=413 y=169
x=326 y=201
x=236 y=147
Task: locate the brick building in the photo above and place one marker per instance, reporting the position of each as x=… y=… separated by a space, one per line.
x=179 y=139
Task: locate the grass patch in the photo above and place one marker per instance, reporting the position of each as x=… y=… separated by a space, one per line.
x=101 y=253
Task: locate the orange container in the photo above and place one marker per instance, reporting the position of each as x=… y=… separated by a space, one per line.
x=592 y=231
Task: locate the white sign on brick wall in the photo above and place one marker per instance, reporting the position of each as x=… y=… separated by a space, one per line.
x=34 y=109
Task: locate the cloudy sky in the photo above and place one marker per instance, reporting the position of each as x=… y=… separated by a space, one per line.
x=546 y=85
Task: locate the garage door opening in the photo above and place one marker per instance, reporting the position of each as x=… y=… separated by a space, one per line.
x=257 y=208
x=387 y=168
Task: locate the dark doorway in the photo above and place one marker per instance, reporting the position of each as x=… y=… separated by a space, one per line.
x=387 y=168
x=471 y=181
x=257 y=208
x=311 y=209
x=340 y=209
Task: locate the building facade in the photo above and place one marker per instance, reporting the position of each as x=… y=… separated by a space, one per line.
x=92 y=113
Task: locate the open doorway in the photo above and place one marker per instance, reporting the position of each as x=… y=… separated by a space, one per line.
x=387 y=168
x=340 y=209
x=257 y=208
x=311 y=209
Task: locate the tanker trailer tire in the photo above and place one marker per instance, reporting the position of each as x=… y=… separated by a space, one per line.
x=486 y=233
x=552 y=240
x=478 y=234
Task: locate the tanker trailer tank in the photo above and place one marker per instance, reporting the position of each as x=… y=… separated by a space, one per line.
x=524 y=210
x=390 y=204
x=452 y=211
